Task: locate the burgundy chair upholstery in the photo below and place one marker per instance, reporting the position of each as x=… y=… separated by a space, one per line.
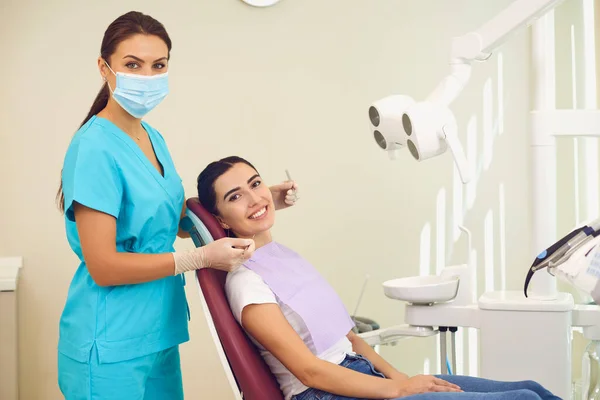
x=253 y=376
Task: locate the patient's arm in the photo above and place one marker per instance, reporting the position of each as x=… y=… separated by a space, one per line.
x=283 y=342
x=361 y=347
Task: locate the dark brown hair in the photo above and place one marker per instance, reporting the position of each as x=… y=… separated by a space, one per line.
x=207 y=178
x=121 y=29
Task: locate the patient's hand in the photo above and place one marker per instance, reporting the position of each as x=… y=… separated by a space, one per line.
x=426 y=384
x=285 y=194
x=398 y=376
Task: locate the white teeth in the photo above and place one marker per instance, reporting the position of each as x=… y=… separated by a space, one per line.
x=259 y=213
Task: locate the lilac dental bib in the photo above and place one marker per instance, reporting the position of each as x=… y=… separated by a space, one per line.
x=300 y=286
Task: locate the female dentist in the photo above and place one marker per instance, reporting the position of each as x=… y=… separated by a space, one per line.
x=126 y=311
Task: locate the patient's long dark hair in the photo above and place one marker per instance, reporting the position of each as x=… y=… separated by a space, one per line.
x=207 y=178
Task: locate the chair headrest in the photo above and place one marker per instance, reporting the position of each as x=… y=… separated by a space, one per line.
x=209 y=220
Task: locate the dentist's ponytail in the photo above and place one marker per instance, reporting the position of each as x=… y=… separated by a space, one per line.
x=127 y=25
x=99 y=103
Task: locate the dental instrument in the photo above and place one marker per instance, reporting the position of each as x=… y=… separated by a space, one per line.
x=581 y=269
x=582 y=235
x=562 y=250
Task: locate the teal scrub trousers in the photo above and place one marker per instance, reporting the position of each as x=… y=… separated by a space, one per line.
x=153 y=377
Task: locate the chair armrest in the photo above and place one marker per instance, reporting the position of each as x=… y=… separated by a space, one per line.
x=394 y=333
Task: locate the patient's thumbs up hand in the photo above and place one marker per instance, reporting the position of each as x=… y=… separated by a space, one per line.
x=284 y=194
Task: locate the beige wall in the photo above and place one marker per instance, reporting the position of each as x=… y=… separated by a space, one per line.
x=285 y=87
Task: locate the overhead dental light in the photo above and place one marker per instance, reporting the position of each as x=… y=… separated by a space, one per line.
x=428 y=128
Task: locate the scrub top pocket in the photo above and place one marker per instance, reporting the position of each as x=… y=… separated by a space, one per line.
x=134 y=311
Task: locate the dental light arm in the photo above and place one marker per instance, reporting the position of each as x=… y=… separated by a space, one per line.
x=478 y=45
x=428 y=128
x=520 y=14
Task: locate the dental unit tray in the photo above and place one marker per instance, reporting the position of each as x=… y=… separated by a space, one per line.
x=428 y=289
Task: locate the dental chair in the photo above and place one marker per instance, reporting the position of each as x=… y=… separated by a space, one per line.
x=249 y=376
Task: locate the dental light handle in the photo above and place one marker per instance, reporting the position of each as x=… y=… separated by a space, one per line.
x=449 y=134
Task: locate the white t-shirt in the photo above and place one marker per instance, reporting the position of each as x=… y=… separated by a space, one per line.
x=245 y=287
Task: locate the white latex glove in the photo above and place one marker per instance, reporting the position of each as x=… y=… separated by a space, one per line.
x=291 y=196
x=285 y=194
x=226 y=254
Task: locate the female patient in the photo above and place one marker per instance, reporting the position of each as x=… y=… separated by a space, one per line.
x=297 y=321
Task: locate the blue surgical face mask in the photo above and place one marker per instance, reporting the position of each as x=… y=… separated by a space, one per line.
x=139 y=94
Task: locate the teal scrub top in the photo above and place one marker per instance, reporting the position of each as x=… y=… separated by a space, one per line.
x=104 y=169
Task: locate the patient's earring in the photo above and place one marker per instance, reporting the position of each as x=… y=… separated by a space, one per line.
x=227 y=229
x=223 y=224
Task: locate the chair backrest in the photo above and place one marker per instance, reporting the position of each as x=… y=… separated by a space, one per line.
x=253 y=376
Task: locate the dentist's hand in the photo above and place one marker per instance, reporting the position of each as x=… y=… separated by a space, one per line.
x=225 y=254
x=285 y=194
x=425 y=384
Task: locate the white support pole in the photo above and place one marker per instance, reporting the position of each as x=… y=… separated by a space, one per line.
x=589 y=146
x=543 y=149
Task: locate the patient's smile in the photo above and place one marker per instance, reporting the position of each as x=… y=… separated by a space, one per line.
x=260 y=213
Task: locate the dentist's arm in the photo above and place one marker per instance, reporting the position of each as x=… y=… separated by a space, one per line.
x=109 y=267
x=359 y=346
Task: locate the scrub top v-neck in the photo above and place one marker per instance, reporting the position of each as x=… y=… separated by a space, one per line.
x=105 y=169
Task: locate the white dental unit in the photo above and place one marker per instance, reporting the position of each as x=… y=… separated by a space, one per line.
x=520 y=337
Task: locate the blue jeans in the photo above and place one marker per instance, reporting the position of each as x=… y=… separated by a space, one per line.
x=473 y=388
